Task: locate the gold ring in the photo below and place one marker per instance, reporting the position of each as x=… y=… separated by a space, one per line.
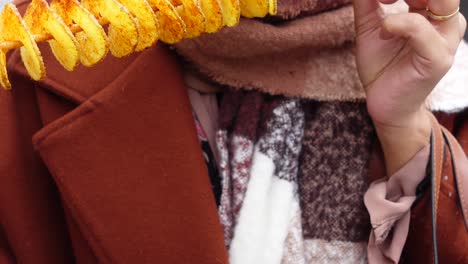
x=434 y=16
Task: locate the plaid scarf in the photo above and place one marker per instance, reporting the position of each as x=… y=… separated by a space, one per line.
x=293 y=177
x=295 y=137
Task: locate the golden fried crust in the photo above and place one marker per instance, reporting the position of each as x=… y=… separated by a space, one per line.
x=272 y=7
x=231 y=12
x=92 y=41
x=74 y=29
x=41 y=20
x=148 y=26
x=4 y=82
x=254 y=8
x=171 y=25
x=193 y=17
x=213 y=15
x=122 y=30
x=14 y=29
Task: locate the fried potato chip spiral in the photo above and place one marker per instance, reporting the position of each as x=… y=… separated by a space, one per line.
x=42 y=20
x=92 y=39
x=172 y=27
x=13 y=27
x=84 y=31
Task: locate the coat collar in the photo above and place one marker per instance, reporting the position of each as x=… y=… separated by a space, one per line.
x=127 y=160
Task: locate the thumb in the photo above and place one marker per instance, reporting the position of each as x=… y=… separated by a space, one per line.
x=364 y=10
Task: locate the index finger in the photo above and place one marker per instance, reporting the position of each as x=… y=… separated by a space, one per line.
x=443 y=7
x=416 y=4
x=449 y=28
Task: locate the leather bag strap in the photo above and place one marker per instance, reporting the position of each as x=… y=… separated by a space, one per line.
x=437 y=144
x=459 y=161
x=441 y=137
x=437 y=159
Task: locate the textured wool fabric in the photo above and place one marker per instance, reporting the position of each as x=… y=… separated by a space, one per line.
x=326 y=251
x=104 y=166
x=310 y=57
x=280 y=207
x=260 y=138
x=337 y=143
x=333 y=175
x=92 y=190
x=294 y=247
x=235 y=143
x=289 y=9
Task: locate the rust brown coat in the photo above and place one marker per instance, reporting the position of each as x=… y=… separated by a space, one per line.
x=103 y=165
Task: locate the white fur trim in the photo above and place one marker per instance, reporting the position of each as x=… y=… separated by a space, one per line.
x=263 y=223
x=451 y=94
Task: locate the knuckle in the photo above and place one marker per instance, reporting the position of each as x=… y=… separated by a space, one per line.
x=418 y=22
x=463 y=19
x=462 y=24
x=445 y=63
x=418 y=17
x=448 y=47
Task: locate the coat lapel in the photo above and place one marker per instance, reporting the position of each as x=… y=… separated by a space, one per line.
x=128 y=163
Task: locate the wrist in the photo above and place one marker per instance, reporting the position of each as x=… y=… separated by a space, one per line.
x=401 y=142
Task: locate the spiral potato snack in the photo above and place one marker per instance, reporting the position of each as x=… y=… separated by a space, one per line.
x=84 y=32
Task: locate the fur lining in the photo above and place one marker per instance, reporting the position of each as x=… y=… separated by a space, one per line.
x=451 y=94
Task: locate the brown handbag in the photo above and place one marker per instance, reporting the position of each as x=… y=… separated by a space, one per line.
x=438 y=230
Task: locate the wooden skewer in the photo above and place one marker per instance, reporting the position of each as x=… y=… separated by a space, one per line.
x=6 y=46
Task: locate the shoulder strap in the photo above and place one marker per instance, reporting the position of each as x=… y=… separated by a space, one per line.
x=440 y=137
x=437 y=158
x=460 y=165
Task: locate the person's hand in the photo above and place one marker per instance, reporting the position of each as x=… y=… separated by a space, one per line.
x=401 y=57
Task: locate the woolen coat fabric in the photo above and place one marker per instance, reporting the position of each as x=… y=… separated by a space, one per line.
x=103 y=165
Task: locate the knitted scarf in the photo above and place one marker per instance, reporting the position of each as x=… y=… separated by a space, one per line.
x=294 y=139
x=305 y=52
x=294 y=174
x=309 y=57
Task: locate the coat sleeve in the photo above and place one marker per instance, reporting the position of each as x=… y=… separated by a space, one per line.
x=32 y=225
x=389 y=200
x=6 y=254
